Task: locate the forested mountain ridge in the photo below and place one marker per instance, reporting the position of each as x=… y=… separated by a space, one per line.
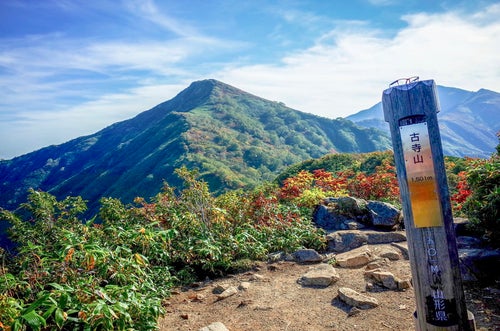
x=235 y=139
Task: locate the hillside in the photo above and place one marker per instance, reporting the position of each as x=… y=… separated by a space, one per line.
x=235 y=139
x=468 y=121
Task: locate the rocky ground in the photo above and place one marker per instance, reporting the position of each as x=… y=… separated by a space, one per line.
x=283 y=295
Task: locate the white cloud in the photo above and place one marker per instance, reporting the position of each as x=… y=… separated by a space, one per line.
x=347 y=70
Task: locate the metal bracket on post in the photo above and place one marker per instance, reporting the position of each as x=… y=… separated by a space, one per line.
x=411 y=110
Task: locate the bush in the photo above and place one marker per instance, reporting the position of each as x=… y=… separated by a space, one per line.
x=71 y=275
x=483 y=205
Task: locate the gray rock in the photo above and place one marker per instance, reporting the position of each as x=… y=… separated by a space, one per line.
x=342 y=241
x=375 y=237
x=232 y=290
x=341 y=213
x=479 y=264
x=325 y=218
x=356 y=299
x=384 y=215
x=307 y=255
x=389 y=253
x=345 y=213
x=384 y=278
x=403 y=248
x=275 y=256
x=356 y=258
x=468 y=242
x=377 y=264
x=220 y=288
x=349 y=206
x=322 y=275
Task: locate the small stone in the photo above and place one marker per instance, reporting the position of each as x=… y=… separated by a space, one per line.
x=227 y=293
x=244 y=286
x=220 y=288
x=244 y=303
x=217 y=326
x=356 y=299
x=353 y=225
x=255 y=277
x=353 y=311
x=377 y=264
x=322 y=275
x=404 y=284
x=378 y=237
x=196 y=297
x=356 y=258
x=264 y=308
x=307 y=255
x=385 y=278
x=403 y=248
x=390 y=254
x=185 y=316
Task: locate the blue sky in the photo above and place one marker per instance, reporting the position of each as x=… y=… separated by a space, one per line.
x=69 y=68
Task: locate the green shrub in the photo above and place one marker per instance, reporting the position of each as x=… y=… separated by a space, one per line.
x=483 y=205
x=69 y=274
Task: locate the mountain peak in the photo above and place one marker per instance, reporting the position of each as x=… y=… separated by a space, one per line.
x=234 y=138
x=199 y=92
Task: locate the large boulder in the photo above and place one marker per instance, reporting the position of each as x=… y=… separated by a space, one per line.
x=479 y=264
x=348 y=213
x=342 y=213
x=384 y=215
x=343 y=241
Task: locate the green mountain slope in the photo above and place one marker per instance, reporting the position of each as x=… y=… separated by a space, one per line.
x=235 y=139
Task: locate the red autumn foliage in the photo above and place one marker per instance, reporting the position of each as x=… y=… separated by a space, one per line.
x=462 y=191
x=381 y=185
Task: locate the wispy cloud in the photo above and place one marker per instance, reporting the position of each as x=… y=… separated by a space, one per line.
x=147 y=10
x=345 y=70
x=348 y=68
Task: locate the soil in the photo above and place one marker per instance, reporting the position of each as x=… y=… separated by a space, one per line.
x=275 y=300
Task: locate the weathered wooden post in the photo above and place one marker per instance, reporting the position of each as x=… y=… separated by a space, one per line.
x=411 y=110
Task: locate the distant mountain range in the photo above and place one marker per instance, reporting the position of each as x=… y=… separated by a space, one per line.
x=235 y=139
x=468 y=121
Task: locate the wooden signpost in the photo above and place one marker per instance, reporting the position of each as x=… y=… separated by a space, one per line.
x=411 y=110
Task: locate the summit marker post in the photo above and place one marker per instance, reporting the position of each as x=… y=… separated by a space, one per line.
x=411 y=110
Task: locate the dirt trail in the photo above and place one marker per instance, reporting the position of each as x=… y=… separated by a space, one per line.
x=275 y=301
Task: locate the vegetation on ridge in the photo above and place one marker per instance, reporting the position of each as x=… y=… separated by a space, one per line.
x=69 y=274
x=235 y=140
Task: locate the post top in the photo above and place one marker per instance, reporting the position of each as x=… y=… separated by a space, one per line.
x=407 y=86
x=414 y=98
